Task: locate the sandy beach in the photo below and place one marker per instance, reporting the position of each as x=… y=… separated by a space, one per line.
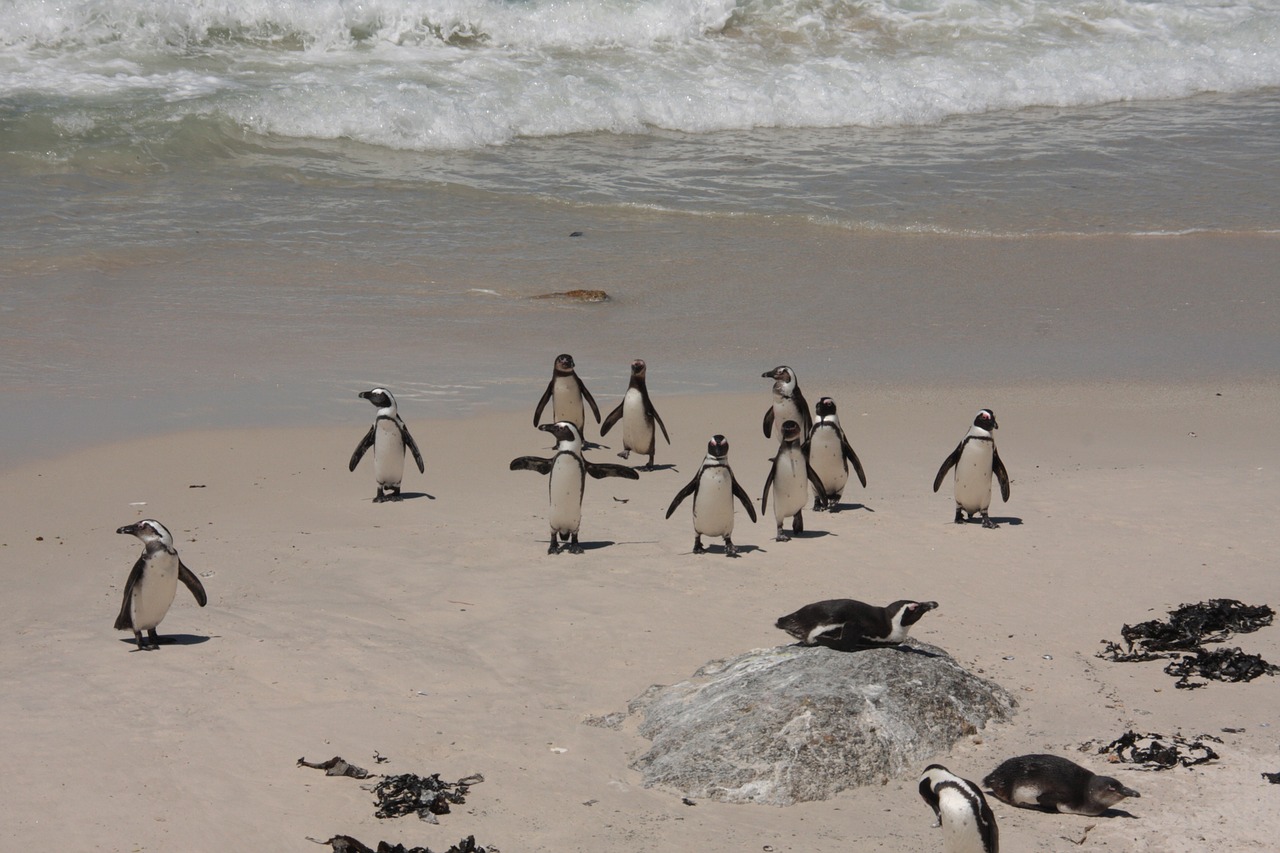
x=438 y=633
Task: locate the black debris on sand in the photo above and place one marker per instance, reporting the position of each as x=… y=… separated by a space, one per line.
x=1273 y=778
x=1182 y=638
x=1157 y=752
x=347 y=844
x=426 y=797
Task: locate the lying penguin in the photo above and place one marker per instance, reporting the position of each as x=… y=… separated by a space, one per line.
x=153 y=583
x=568 y=472
x=845 y=624
x=1054 y=784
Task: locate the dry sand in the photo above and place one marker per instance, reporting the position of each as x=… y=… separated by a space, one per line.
x=438 y=633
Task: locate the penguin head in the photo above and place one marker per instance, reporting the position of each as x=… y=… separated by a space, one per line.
x=564 y=363
x=565 y=433
x=380 y=397
x=1107 y=791
x=149 y=530
x=986 y=419
x=718 y=447
x=824 y=407
x=781 y=373
x=638 y=368
x=910 y=611
x=790 y=431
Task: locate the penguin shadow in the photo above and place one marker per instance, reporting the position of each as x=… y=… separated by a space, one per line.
x=170 y=640
x=852 y=647
x=413 y=496
x=719 y=551
x=839 y=508
x=1109 y=813
x=667 y=467
x=1011 y=520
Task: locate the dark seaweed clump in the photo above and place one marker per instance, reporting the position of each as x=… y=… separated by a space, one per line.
x=1182 y=637
x=426 y=796
x=347 y=844
x=1158 y=752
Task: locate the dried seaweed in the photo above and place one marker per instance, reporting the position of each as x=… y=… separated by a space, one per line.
x=1273 y=778
x=427 y=796
x=1158 y=752
x=1218 y=665
x=347 y=844
x=336 y=766
x=1182 y=638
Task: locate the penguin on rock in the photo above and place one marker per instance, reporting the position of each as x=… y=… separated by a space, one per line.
x=848 y=625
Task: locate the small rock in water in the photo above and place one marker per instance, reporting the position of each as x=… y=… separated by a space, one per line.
x=576 y=295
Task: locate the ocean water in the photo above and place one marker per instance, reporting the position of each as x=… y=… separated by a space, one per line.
x=241 y=206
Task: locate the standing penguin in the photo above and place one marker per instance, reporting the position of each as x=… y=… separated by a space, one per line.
x=568 y=472
x=830 y=455
x=788 y=402
x=153 y=582
x=975 y=460
x=1055 y=784
x=846 y=624
x=968 y=826
x=566 y=393
x=714 y=488
x=388 y=437
x=638 y=417
x=788 y=476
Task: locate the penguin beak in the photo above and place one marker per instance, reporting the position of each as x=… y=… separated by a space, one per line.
x=130 y=528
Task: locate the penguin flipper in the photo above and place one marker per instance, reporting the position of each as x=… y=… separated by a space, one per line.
x=531 y=463
x=805 y=414
x=684 y=493
x=997 y=467
x=586 y=395
x=854 y=461
x=768 y=422
x=764 y=498
x=654 y=414
x=542 y=404
x=947 y=465
x=987 y=829
x=741 y=494
x=413 y=447
x=124 y=622
x=192 y=582
x=600 y=470
x=651 y=412
x=613 y=418
x=365 y=444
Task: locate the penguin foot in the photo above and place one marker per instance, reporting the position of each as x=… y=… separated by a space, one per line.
x=730 y=550
x=554 y=548
x=959 y=516
x=988 y=523
x=153 y=639
x=782 y=537
x=626 y=454
x=818 y=505
x=797 y=523
x=697 y=545
x=379 y=497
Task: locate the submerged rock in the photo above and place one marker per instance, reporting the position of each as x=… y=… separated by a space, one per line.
x=790 y=724
x=576 y=295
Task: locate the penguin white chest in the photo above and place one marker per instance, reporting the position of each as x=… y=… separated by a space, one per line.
x=388 y=453
x=566 y=401
x=785 y=409
x=154 y=591
x=790 y=483
x=959 y=824
x=566 y=494
x=713 y=504
x=826 y=457
x=973 y=475
x=637 y=429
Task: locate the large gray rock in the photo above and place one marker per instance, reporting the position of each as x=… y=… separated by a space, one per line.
x=790 y=724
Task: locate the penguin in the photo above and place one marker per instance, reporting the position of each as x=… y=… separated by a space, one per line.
x=638 y=417
x=388 y=437
x=787 y=477
x=788 y=403
x=845 y=624
x=1054 y=784
x=153 y=582
x=975 y=460
x=714 y=488
x=568 y=472
x=830 y=455
x=968 y=826
x=567 y=394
